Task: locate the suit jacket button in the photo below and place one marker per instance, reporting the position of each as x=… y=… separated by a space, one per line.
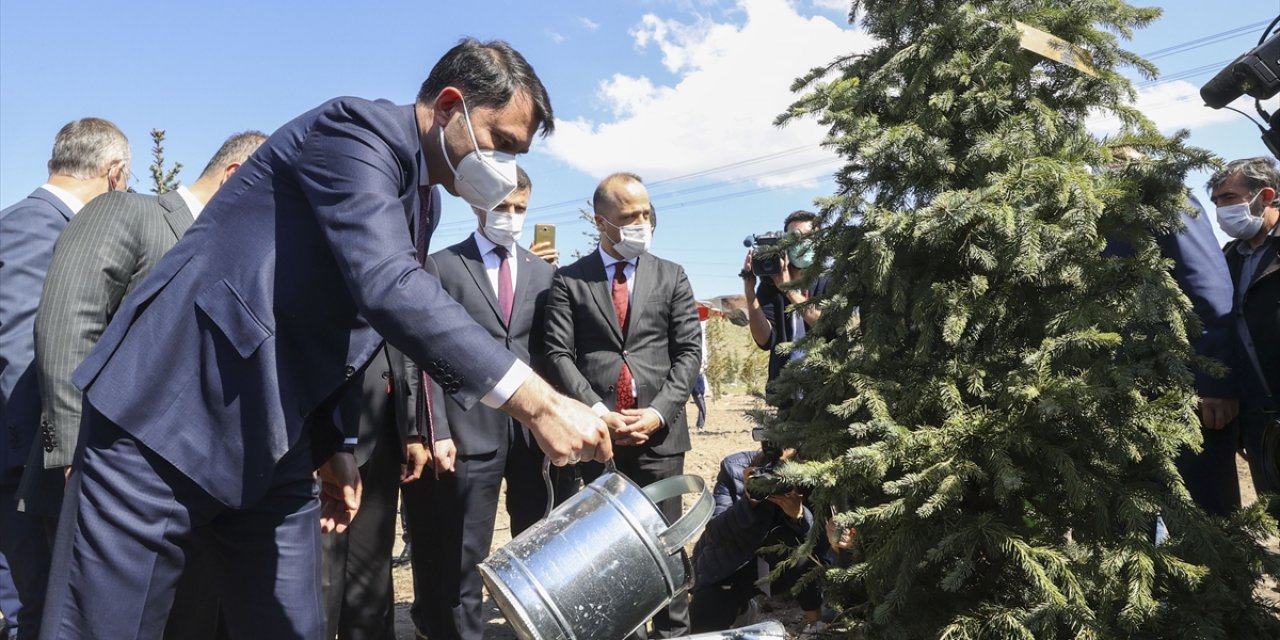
x=610 y=388
x=386 y=375
x=625 y=353
x=349 y=371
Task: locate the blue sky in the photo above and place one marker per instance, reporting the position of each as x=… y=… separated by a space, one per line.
x=682 y=92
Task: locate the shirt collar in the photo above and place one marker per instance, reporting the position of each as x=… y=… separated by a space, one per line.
x=193 y=203
x=609 y=260
x=73 y=203
x=485 y=245
x=1243 y=248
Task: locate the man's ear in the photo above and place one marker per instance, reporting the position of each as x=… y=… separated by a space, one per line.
x=443 y=106
x=1268 y=197
x=228 y=171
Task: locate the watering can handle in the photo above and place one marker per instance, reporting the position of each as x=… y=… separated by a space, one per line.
x=609 y=467
x=691 y=523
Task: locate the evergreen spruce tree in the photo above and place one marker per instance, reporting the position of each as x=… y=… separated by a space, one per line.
x=992 y=400
x=162 y=180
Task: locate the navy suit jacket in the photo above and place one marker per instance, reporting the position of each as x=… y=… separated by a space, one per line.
x=28 y=231
x=250 y=328
x=1201 y=273
x=461 y=270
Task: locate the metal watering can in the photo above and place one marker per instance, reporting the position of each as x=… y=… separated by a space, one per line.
x=600 y=564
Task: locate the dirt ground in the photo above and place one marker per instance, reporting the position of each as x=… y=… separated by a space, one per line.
x=728 y=431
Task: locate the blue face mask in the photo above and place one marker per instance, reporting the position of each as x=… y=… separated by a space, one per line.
x=800 y=255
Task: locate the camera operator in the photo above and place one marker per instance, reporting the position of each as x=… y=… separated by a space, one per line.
x=1245 y=193
x=768 y=302
x=745 y=522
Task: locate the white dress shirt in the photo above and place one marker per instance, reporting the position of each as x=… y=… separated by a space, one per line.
x=492 y=261
x=193 y=203
x=73 y=203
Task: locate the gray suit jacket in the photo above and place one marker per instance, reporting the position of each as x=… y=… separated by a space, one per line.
x=103 y=253
x=480 y=430
x=663 y=345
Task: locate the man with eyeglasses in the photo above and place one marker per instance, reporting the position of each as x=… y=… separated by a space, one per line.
x=90 y=157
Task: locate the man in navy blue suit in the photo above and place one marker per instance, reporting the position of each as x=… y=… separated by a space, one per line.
x=210 y=397
x=90 y=157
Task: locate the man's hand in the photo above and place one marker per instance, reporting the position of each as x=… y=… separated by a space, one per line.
x=340 y=490
x=783 y=277
x=791 y=503
x=622 y=432
x=447 y=454
x=1216 y=413
x=639 y=424
x=547 y=252
x=566 y=430
x=66 y=473
x=416 y=458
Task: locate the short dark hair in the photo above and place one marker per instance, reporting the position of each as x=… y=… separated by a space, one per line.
x=237 y=148
x=1257 y=173
x=523 y=183
x=602 y=189
x=799 y=216
x=489 y=74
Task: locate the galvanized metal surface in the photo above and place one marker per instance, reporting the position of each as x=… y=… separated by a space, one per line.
x=599 y=565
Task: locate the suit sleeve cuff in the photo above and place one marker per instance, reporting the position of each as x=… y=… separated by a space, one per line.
x=661 y=420
x=600 y=410
x=507 y=386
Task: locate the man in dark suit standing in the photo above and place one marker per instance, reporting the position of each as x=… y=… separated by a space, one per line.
x=451 y=517
x=90 y=157
x=210 y=399
x=101 y=256
x=623 y=333
x=358 y=592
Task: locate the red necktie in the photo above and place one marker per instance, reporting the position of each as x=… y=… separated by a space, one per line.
x=622 y=306
x=422 y=412
x=506 y=293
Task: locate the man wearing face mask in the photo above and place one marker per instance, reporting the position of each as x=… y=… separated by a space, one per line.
x=769 y=311
x=451 y=514
x=209 y=400
x=623 y=335
x=1245 y=193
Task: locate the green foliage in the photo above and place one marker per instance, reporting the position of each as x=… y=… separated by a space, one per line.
x=1000 y=427
x=162 y=181
x=733 y=358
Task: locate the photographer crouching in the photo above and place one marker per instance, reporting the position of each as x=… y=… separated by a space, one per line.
x=752 y=514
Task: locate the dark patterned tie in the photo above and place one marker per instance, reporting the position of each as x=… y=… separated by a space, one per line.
x=506 y=292
x=422 y=412
x=622 y=306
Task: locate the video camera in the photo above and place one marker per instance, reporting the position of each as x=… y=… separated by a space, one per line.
x=766 y=256
x=1256 y=73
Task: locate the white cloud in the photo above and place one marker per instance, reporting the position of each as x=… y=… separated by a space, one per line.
x=555 y=37
x=588 y=24
x=834 y=5
x=732 y=81
x=1171 y=106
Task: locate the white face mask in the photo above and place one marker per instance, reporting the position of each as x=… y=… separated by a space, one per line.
x=503 y=228
x=1238 y=221
x=484 y=178
x=634 y=239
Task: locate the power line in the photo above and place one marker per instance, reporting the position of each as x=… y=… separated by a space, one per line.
x=1204 y=41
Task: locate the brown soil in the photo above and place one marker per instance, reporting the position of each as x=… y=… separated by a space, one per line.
x=728 y=431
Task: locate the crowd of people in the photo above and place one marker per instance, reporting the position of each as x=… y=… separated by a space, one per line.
x=214 y=400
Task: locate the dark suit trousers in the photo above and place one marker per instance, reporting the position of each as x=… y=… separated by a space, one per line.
x=644 y=468
x=130 y=520
x=451 y=524
x=358 y=592
x=23 y=543
x=1210 y=475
